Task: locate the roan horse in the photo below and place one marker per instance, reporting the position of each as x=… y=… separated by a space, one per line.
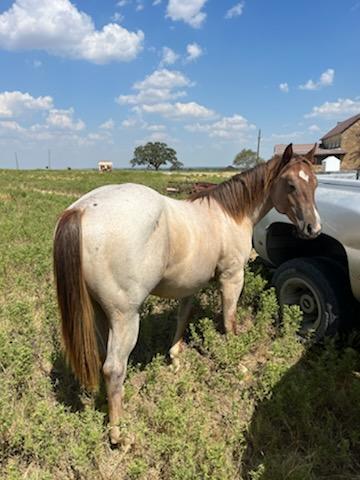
x=119 y=243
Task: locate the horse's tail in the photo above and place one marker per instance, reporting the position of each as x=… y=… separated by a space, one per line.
x=77 y=316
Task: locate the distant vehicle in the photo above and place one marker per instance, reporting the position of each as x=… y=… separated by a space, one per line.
x=322 y=276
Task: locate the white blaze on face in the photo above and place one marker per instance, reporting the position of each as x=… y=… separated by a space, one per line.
x=304 y=176
x=318 y=221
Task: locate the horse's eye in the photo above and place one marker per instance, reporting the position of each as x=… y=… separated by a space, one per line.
x=292 y=188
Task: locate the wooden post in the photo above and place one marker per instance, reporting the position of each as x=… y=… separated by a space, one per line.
x=258 y=147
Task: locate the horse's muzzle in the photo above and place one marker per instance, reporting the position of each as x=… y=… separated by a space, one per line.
x=309 y=232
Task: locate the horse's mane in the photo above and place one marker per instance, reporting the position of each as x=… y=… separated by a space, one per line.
x=239 y=195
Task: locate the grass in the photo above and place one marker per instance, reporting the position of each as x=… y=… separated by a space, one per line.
x=292 y=414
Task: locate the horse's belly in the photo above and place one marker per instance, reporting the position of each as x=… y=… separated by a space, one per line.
x=183 y=284
x=170 y=290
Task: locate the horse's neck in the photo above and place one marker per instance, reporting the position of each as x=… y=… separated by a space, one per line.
x=261 y=210
x=262 y=207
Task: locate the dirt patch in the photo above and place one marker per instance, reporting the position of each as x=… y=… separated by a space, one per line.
x=5 y=197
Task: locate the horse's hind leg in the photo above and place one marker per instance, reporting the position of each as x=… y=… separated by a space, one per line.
x=182 y=322
x=102 y=330
x=123 y=333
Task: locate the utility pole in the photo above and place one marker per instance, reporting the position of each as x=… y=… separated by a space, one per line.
x=258 y=146
x=16 y=161
x=49 y=159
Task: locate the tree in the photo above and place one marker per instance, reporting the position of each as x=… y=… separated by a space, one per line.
x=247 y=158
x=154 y=155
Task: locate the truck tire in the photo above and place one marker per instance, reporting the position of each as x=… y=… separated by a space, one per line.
x=321 y=288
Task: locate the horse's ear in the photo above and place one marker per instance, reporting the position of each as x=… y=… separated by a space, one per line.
x=287 y=155
x=311 y=154
x=284 y=160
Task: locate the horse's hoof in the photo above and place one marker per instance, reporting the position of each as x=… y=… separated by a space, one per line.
x=114 y=435
x=236 y=329
x=175 y=364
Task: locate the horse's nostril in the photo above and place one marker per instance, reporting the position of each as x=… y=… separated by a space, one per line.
x=309 y=229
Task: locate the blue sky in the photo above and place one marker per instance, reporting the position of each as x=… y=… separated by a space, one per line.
x=91 y=80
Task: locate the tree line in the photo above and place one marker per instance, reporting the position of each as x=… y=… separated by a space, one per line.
x=158 y=154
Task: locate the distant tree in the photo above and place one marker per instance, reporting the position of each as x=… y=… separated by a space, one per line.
x=246 y=159
x=155 y=155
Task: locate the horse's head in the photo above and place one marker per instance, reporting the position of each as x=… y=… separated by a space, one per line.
x=293 y=191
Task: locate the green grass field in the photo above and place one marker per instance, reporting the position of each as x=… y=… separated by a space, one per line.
x=294 y=415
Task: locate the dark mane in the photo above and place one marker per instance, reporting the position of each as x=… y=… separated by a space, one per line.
x=239 y=195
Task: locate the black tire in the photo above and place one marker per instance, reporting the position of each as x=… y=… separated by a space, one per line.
x=321 y=288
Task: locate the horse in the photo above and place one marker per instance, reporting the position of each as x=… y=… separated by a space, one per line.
x=120 y=243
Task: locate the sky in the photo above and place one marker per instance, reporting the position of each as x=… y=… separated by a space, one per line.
x=88 y=81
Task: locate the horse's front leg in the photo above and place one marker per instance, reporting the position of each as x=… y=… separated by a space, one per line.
x=183 y=318
x=231 y=285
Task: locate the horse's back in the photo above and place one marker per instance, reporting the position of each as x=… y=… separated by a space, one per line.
x=125 y=209
x=117 y=199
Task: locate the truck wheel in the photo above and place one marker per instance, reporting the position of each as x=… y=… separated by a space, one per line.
x=320 y=287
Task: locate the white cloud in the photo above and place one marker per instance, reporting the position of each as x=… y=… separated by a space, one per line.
x=117 y=17
x=339 y=109
x=138 y=122
x=284 y=87
x=129 y=123
x=15 y=103
x=94 y=137
x=230 y=128
x=168 y=56
x=155 y=92
x=155 y=127
x=108 y=125
x=59 y=28
x=327 y=77
x=313 y=128
x=38 y=120
x=326 y=80
x=179 y=110
x=157 y=137
x=194 y=51
x=163 y=79
x=37 y=63
x=122 y=3
x=286 y=136
x=235 y=11
x=63 y=119
x=156 y=2
x=149 y=95
x=11 y=125
x=160 y=86
x=189 y=11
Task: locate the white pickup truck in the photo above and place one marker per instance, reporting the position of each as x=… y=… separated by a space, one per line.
x=322 y=276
